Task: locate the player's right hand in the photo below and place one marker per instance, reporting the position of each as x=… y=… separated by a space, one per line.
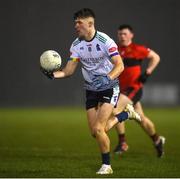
x=101 y=81
x=49 y=74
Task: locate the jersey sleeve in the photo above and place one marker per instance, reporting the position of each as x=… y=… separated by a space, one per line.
x=74 y=55
x=143 y=51
x=111 y=48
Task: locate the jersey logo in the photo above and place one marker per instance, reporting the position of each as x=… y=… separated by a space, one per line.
x=81 y=48
x=98 y=47
x=89 y=49
x=112 y=49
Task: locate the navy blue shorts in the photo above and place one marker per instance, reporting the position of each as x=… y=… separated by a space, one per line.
x=107 y=96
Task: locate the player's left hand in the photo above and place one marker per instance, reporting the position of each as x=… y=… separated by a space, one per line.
x=143 y=77
x=101 y=81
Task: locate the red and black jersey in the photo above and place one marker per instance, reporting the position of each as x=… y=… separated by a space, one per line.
x=132 y=55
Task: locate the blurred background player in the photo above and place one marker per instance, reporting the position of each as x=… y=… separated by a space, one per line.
x=131 y=83
x=101 y=66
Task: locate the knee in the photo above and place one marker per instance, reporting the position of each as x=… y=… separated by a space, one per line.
x=97 y=131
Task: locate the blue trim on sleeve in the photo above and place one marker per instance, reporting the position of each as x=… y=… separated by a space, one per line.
x=114 y=54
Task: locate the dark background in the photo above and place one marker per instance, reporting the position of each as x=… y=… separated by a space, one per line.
x=29 y=27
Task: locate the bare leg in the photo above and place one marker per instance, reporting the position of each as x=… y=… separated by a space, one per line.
x=122 y=102
x=103 y=114
x=97 y=119
x=149 y=128
x=91 y=116
x=146 y=123
x=120 y=127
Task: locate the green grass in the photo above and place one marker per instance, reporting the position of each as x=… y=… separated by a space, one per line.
x=57 y=143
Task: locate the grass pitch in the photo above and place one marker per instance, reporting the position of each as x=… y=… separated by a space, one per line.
x=57 y=143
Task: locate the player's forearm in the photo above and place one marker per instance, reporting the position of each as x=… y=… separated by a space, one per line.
x=59 y=74
x=153 y=62
x=116 y=71
x=154 y=59
x=118 y=67
x=62 y=74
x=67 y=71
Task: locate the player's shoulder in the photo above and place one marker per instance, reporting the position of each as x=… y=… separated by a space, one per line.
x=76 y=42
x=102 y=37
x=139 y=46
x=142 y=50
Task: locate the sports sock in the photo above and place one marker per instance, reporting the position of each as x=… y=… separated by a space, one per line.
x=122 y=116
x=122 y=138
x=106 y=158
x=155 y=137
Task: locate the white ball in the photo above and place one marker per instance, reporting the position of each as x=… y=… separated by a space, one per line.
x=50 y=60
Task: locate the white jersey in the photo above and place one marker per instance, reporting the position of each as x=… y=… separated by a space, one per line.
x=95 y=57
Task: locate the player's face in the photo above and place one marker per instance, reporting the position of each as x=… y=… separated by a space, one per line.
x=82 y=27
x=125 y=37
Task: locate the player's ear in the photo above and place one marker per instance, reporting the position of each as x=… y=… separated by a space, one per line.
x=132 y=35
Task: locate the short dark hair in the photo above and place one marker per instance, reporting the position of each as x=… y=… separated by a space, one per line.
x=126 y=26
x=84 y=13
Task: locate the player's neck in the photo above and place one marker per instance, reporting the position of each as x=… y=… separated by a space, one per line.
x=90 y=35
x=126 y=44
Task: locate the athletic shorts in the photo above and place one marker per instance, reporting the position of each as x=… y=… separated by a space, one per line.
x=107 y=96
x=134 y=94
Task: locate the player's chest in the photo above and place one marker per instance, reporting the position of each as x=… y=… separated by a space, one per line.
x=129 y=53
x=91 y=50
